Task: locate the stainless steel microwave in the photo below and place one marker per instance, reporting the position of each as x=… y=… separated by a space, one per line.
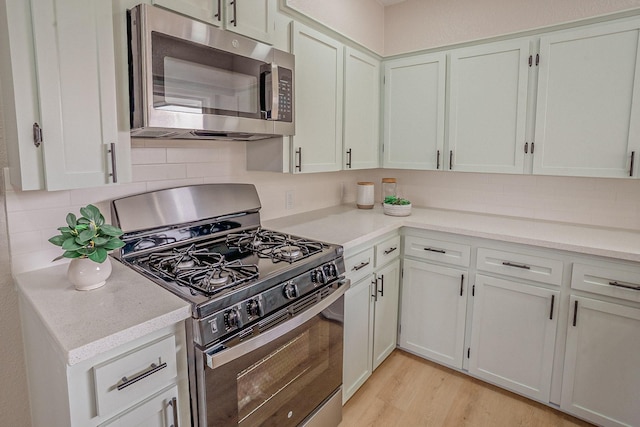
x=190 y=80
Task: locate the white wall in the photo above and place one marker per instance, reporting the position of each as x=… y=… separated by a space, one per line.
x=413 y=25
x=14 y=401
x=422 y=24
x=360 y=20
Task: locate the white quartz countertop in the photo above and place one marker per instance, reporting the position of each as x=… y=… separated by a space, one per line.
x=87 y=323
x=348 y=226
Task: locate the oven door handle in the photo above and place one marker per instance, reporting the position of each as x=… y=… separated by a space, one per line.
x=216 y=360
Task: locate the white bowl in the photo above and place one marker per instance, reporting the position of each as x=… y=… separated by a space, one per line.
x=396 y=210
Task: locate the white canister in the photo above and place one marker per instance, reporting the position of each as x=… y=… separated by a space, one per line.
x=364 y=199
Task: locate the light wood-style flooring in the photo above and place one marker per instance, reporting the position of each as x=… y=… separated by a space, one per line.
x=407 y=391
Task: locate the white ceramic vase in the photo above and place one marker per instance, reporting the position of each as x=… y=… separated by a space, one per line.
x=86 y=274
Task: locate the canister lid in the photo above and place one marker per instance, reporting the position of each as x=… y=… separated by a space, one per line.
x=365 y=183
x=389 y=180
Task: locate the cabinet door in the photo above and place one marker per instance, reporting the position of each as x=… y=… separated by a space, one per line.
x=209 y=11
x=385 y=323
x=414 y=112
x=488 y=107
x=361 y=110
x=319 y=81
x=158 y=411
x=75 y=67
x=434 y=303
x=601 y=379
x=252 y=18
x=358 y=337
x=588 y=116
x=513 y=335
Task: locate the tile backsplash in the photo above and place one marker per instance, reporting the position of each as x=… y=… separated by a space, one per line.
x=33 y=216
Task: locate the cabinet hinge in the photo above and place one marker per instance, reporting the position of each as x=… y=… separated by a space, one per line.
x=37 y=135
x=473 y=291
x=402 y=273
x=469 y=353
x=530 y=60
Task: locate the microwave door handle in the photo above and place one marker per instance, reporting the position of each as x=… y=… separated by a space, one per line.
x=275 y=93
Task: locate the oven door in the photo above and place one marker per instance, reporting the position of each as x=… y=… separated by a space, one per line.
x=280 y=377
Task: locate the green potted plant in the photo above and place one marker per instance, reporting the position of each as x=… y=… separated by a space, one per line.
x=87 y=240
x=396 y=206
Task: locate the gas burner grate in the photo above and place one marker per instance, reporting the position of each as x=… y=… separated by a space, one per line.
x=201 y=269
x=274 y=245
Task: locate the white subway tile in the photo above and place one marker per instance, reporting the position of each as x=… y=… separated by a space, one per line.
x=147 y=156
x=159 y=185
x=33 y=200
x=27 y=242
x=84 y=196
x=36 y=260
x=158 y=172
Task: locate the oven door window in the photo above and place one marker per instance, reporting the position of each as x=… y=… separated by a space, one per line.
x=192 y=78
x=281 y=383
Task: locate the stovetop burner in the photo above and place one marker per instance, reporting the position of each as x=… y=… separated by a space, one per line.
x=202 y=269
x=274 y=245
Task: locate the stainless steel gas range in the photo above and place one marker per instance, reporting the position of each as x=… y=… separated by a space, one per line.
x=267 y=308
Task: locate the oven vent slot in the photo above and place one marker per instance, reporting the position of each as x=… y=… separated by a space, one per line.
x=305 y=303
x=276 y=319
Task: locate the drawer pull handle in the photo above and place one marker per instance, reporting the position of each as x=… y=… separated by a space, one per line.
x=625 y=285
x=553 y=300
x=126 y=382
x=440 y=251
x=360 y=266
x=174 y=411
x=388 y=251
x=512 y=264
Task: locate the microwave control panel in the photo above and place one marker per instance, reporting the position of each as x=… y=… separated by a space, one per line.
x=285 y=96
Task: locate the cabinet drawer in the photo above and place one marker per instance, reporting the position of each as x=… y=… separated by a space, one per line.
x=437 y=250
x=159 y=410
x=523 y=266
x=387 y=251
x=359 y=265
x=612 y=280
x=134 y=376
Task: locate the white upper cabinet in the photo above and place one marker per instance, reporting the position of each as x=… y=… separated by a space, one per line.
x=414 y=90
x=488 y=107
x=317 y=144
x=588 y=106
x=210 y=11
x=252 y=18
x=361 y=110
x=73 y=94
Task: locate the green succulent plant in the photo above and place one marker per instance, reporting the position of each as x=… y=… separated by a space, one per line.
x=394 y=200
x=87 y=236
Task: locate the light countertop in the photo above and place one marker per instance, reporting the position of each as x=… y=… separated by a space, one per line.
x=87 y=323
x=347 y=226
x=129 y=306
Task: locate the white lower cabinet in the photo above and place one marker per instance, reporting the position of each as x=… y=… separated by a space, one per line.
x=385 y=322
x=434 y=304
x=371 y=311
x=158 y=411
x=140 y=383
x=601 y=381
x=513 y=335
x=358 y=337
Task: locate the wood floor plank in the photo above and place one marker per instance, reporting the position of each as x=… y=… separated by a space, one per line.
x=408 y=391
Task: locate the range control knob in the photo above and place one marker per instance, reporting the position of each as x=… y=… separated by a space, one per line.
x=319 y=276
x=330 y=270
x=254 y=308
x=290 y=290
x=232 y=319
